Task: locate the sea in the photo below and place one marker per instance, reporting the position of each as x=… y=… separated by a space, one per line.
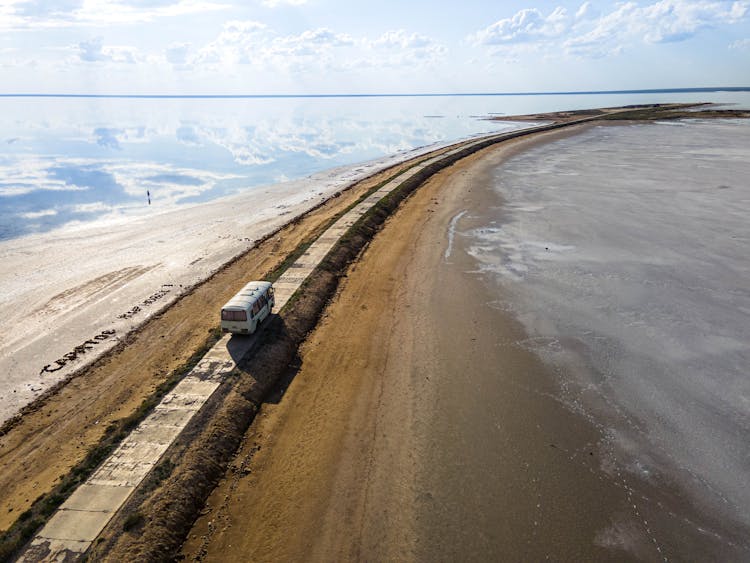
x=76 y=159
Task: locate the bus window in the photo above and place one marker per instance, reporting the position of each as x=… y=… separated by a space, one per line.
x=256 y=308
x=233 y=315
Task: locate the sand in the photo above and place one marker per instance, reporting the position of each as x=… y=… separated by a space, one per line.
x=417 y=428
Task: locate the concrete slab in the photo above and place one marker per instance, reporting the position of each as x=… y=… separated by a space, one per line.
x=132 y=450
x=152 y=431
x=75 y=525
x=192 y=385
x=237 y=348
x=165 y=416
x=185 y=402
x=97 y=498
x=283 y=302
x=320 y=252
x=286 y=281
x=328 y=238
x=120 y=474
x=219 y=350
x=214 y=363
x=292 y=280
x=43 y=549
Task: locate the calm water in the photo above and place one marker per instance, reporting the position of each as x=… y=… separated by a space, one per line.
x=625 y=251
x=76 y=160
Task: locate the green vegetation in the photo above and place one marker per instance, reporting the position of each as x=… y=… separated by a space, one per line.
x=133 y=521
x=666 y=112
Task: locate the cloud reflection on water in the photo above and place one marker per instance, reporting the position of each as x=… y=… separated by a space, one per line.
x=80 y=160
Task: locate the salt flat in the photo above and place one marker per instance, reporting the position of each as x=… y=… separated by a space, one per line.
x=624 y=252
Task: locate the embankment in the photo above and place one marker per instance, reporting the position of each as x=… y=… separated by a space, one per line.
x=202 y=455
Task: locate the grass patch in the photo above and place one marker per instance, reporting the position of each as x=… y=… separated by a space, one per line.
x=158 y=475
x=133 y=521
x=276 y=273
x=674 y=112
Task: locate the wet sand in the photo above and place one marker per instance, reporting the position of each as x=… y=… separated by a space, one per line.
x=418 y=427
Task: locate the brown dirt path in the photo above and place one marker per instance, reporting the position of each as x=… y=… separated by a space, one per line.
x=415 y=429
x=56 y=434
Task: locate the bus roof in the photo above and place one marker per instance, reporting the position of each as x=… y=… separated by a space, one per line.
x=247 y=295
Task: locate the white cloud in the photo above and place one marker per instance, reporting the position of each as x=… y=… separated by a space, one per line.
x=526 y=25
x=166 y=184
x=177 y=55
x=665 y=21
x=238 y=41
x=587 y=12
x=34 y=14
x=593 y=34
x=93 y=50
x=402 y=39
x=676 y=20
x=253 y=43
x=277 y=3
x=38 y=214
x=311 y=43
x=313 y=51
x=30 y=175
x=740 y=44
x=399 y=48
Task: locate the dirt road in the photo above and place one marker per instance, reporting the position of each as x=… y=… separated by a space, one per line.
x=416 y=427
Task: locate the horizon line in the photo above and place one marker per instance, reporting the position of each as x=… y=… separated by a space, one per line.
x=385 y=95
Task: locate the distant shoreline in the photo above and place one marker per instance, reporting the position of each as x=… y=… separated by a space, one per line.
x=697 y=90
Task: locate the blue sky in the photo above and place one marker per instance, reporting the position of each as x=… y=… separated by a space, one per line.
x=334 y=46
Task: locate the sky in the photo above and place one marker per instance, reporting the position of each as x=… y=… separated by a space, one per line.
x=346 y=46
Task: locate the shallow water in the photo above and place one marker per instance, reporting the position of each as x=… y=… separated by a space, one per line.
x=78 y=160
x=625 y=252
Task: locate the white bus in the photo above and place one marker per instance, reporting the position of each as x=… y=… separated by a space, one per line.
x=244 y=312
